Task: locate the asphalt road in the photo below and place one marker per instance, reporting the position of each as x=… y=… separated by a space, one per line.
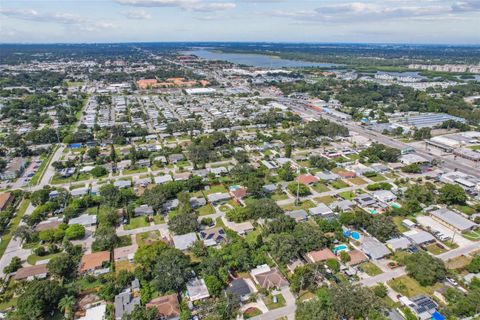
x=447 y=163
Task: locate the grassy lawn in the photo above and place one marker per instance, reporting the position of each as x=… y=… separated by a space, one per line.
x=339 y=184
x=377 y=178
x=124 y=241
x=219 y=223
x=251 y=312
x=435 y=249
x=215 y=189
x=271 y=305
x=7 y=236
x=132 y=171
x=148 y=237
x=326 y=199
x=305 y=205
x=158 y=219
x=320 y=187
x=206 y=210
x=224 y=208
x=277 y=196
x=472 y=235
x=468 y=210
x=353 y=156
x=391 y=175
x=33 y=258
x=370 y=268
x=124 y=265
x=458 y=262
x=347 y=195
x=357 y=181
x=409 y=287
x=135 y=223
x=398 y=222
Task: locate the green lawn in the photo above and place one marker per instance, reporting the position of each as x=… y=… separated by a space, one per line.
x=148 y=237
x=124 y=241
x=251 y=312
x=158 y=219
x=357 y=181
x=271 y=305
x=435 y=249
x=377 y=178
x=347 y=195
x=279 y=196
x=370 y=268
x=409 y=287
x=215 y=189
x=326 y=199
x=398 y=222
x=7 y=236
x=305 y=205
x=320 y=187
x=468 y=210
x=33 y=259
x=339 y=184
x=135 y=223
x=206 y=210
x=132 y=171
x=472 y=235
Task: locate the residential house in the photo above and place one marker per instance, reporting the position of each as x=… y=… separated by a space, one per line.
x=213 y=236
x=38 y=271
x=320 y=255
x=6 y=199
x=356 y=257
x=373 y=248
x=184 y=241
x=299 y=215
x=342 y=205
x=163 y=179
x=327 y=176
x=240 y=288
x=365 y=200
x=79 y=192
x=167 y=307
x=176 y=157
x=93 y=261
x=143 y=210
x=384 y=196
x=307 y=179
x=453 y=220
x=268 y=278
x=85 y=220
x=122 y=184
x=124 y=303
x=95 y=312
x=218 y=197
x=197 y=290
x=323 y=211
x=197 y=202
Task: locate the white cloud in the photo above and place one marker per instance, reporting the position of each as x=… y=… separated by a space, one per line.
x=33 y=15
x=191 y=5
x=137 y=15
x=375 y=11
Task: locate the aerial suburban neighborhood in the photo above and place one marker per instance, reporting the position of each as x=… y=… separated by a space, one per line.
x=154 y=182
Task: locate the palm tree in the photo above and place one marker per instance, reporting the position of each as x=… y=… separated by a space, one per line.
x=66 y=305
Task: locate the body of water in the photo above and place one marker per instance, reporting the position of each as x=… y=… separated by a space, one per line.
x=255 y=60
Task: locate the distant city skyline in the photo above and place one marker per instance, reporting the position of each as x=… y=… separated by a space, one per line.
x=367 y=21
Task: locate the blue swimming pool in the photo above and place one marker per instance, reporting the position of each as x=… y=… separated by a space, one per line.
x=339 y=248
x=355 y=235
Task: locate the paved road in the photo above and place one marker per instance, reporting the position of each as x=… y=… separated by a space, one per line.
x=447 y=163
x=287 y=311
x=14 y=248
x=398 y=272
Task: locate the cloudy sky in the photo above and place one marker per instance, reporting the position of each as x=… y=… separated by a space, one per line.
x=388 y=21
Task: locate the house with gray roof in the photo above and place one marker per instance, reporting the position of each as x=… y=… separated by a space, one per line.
x=342 y=205
x=85 y=220
x=163 y=179
x=122 y=184
x=143 y=210
x=373 y=248
x=184 y=241
x=453 y=220
x=298 y=215
x=124 y=303
x=218 y=197
x=197 y=202
x=323 y=211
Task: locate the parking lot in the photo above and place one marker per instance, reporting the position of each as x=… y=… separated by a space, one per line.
x=437 y=226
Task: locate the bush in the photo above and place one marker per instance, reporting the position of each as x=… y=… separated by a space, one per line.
x=303 y=190
x=40 y=251
x=75 y=231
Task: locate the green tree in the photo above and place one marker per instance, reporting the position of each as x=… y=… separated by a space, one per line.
x=424 y=268
x=66 y=305
x=39 y=299
x=214 y=285
x=14 y=265
x=75 y=231
x=172 y=271
x=452 y=194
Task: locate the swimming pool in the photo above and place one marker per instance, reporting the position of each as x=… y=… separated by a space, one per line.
x=396 y=205
x=355 y=235
x=373 y=211
x=339 y=248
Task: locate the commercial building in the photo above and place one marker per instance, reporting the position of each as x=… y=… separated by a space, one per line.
x=453 y=220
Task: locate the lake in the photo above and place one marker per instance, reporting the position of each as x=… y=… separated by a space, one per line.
x=255 y=60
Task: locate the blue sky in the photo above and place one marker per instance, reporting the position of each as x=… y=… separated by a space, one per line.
x=385 y=21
